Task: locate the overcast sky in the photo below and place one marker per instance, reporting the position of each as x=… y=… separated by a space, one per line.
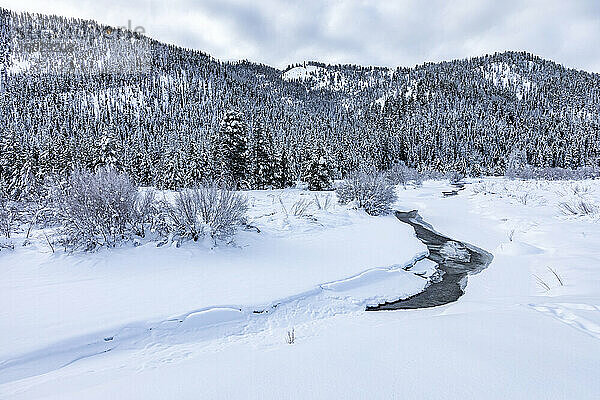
x=376 y=32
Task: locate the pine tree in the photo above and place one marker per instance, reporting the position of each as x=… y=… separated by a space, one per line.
x=28 y=179
x=196 y=167
x=109 y=151
x=234 y=148
x=172 y=175
x=282 y=177
x=11 y=162
x=263 y=161
x=318 y=174
x=55 y=156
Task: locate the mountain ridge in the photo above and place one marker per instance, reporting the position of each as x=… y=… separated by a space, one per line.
x=163 y=106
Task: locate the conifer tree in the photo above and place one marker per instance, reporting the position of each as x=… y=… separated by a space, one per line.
x=28 y=179
x=233 y=148
x=282 y=169
x=318 y=174
x=263 y=160
x=109 y=151
x=9 y=159
x=173 y=172
x=196 y=168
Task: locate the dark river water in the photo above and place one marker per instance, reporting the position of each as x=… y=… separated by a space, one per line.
x=456 y=260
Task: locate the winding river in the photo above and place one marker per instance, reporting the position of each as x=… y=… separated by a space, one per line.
x=456 y=260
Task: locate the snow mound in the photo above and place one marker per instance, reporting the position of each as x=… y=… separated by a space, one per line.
x=518 y=249
x=424 y=267
x=455 y=251
x=376 y=286
x=213 y=317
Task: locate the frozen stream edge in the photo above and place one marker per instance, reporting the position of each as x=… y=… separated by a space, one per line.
x=456 y=260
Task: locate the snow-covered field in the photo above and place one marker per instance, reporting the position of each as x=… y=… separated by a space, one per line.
x=202 y=322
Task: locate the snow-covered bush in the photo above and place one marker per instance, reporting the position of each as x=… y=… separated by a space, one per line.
x=146 y=213
x=8 y=216
x=401 y=174
x=21 y=216
x=95 y=208
x=553 y=174
x=184 y=215
x=210 y=209
x=454 y=176
x=369 y=190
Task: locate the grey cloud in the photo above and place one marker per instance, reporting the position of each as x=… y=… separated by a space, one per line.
x=378 y=32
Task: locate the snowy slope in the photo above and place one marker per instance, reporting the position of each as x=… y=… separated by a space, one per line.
x=302 y=72
x=353 y=80
x=507 y=337
x=503 y=75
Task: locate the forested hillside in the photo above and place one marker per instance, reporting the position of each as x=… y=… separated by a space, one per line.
x=91 y=95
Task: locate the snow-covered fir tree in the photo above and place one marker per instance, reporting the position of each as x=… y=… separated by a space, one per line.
x=262 y=158
x=233 y=138
x=173 y=173
x=196 y=165
x=109 y=151
x=318 y=175
x=282 y=174
x=11 y=161
x=28 y=179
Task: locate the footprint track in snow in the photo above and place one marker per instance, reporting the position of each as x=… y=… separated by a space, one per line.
x=567 y=314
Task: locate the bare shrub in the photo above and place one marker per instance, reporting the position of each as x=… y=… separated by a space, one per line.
x=290 y=338
x=401 y=174
x=483 y=187
x=95 y=208
x=578 y=207
x=146 y=213
x=579 y=190
x=323 y=204
x=184 y=215
x=36 y=213
x=523 y=198
x=300 y=208
x=454 y=176
x=558 y=278
x=222 y=210
x=369 y=190
x=210 y=209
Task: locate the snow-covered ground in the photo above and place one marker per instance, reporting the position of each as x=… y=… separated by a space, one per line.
x=201 y=322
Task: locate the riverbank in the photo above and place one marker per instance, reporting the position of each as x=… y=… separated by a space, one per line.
x=454 y=262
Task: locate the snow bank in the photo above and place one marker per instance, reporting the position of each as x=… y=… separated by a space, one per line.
x=49 y=298
x=507 y=337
